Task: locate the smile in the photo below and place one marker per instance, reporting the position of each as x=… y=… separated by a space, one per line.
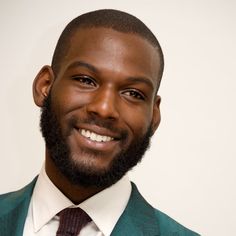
x=94 y=136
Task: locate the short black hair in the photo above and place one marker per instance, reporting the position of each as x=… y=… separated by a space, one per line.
x=107 y=18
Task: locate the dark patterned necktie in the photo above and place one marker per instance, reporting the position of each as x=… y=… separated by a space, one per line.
x=72 y=220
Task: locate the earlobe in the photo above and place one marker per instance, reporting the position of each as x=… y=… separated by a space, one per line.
x=42 y=84
x=156 y=118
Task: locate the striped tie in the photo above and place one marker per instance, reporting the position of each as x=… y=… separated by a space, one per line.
x=72 y=220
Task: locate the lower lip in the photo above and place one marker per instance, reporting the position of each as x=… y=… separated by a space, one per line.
x=99 y=146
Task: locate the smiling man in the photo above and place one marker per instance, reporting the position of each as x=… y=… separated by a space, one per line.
x=99 y=110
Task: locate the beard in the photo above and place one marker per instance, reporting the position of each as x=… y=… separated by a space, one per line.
x=77 y=174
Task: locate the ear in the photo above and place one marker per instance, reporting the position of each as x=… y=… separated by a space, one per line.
x=156 y=117
x=42 y=84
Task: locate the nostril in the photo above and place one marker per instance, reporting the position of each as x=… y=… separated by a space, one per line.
x=102 y=115
x=111 y=118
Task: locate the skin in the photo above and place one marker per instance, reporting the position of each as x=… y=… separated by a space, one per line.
x=108 y=75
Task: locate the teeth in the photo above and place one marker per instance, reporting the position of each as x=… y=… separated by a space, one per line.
x=95 y=137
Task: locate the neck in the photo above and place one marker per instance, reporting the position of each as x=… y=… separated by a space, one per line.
x=75 y=193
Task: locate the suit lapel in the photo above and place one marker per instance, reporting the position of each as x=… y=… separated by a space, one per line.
x=14 y=208
x=138 y=218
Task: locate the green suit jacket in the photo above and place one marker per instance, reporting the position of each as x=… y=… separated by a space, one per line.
x=139 y=218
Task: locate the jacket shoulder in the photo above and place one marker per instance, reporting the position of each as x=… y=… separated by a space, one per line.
x=169 y=226
x=13 y=210
x=10 y=200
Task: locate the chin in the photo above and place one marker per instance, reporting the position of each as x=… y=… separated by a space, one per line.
x=92 y=161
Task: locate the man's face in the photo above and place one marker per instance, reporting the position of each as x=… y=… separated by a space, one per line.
x=102 y=105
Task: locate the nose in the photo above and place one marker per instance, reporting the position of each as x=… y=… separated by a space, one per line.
x=103 y=104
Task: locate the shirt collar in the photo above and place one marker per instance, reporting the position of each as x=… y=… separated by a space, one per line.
x=104 y=208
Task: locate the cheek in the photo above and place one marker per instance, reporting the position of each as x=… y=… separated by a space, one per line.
x=67 y=99
x=138 y=120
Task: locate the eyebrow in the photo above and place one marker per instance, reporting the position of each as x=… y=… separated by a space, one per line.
x=141 y=80
x=131 y=79
x=83 y=64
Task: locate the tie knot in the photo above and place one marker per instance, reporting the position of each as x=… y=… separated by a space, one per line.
x=72 y=220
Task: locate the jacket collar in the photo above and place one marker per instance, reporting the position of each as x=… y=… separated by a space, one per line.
x=138 y=218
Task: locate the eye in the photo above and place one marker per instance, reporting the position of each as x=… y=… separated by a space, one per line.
x=134 y=94
x=85 y=80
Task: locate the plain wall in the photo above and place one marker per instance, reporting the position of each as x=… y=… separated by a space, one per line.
x=189 y=172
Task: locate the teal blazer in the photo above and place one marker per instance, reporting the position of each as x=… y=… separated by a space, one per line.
x=138 y=219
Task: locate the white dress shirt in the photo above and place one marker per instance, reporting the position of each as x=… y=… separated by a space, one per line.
x=47 y=200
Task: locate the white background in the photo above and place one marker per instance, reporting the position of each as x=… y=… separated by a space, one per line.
x=189 y=172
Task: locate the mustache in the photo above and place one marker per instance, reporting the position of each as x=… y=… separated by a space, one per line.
x=94 y=120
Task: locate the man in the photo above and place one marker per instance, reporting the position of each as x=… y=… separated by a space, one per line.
x=99 y=110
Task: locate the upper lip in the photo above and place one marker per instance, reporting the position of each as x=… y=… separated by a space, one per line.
x=99 y=130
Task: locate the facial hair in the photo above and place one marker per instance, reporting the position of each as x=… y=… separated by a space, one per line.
x=61 y=155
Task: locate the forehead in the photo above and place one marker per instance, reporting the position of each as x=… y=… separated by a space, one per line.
x=108 y=49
